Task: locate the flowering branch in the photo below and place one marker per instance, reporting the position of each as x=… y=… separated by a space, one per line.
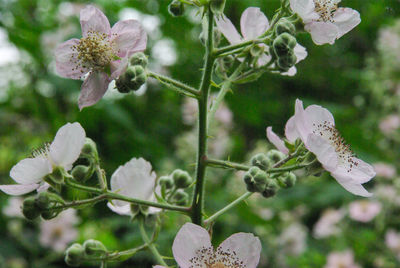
x=175 y=85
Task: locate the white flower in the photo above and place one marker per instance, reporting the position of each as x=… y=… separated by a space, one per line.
x=13 y=208
x=392 y=241
x=343 y=259
x=135 y=179
x=315 y=126
x=253 y=23
x=293 y=239
x=327 y=224
x=390 y=124
x=62 y=152
x=325 y=21
x=364 y=210
x=385 y=170
x=57 y=233
x=192 y=248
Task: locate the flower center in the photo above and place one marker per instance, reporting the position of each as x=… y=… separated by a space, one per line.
x=326 y=9
x=42 y=151
x=210 y=258
x=328 y=131
x=95 y=51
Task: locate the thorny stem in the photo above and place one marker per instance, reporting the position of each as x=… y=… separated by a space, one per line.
x=150 y=244
x=197 y=203
x=114 y=196
x=175 y=85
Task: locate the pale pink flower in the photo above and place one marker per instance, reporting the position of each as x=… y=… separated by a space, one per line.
x=392 y=241
x=254 y=23
x=387 y=193
x=324 y=20
x=102 y=52
x=135 y=179
x=192 y=248
x=385 y=170
x=343 y=259
x=293 y=239
x=13 y=207
x=327 y=224
x=57 y=233
x=389 y=124
x=315 y=126
x=61 y=153
x=364 y=210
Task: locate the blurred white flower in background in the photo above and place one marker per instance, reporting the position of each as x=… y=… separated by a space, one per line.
x=389 y=124
x=392 y=241
x=57 y=233
x=13 y=207
x=385 y=170
x=293 y=239
x=343 y=259
x=327 y=224
x=364 y=210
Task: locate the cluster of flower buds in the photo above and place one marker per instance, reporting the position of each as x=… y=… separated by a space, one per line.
x=176 y=8
x=135 y=75
x=172 y=187
x=76 y=254
x=257 y=179
x=42 y=205
x=282 y=49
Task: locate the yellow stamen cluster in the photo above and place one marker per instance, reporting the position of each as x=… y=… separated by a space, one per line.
x=332 y=135
x=94 y=52
x=326 y=9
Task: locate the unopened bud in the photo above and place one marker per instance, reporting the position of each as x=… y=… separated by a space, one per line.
x=283 y=44
x=139 y=58
x=255 y=179
x=271 y=188
x=180 y=197
x=166 y=181
x=181 y=178
x=133 y=78
x=285 y=26
x=89 y=148
x=94 y=247
x=29 y=208
x=80 y=172
x=262 y=161
x=217 y=6
x=75 y=255
x=286 y=61
x=43 y=200
x=50 y=214
x=176 y=8
x=288 y=180
x=275 y=155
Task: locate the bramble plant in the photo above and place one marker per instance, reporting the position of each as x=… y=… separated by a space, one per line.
x=104 y=53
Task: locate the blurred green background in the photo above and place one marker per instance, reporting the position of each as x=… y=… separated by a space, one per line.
x=352 y=78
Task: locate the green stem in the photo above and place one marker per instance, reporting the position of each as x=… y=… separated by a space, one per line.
x=228 y=207
x=78 y=203
x=174 y=84
x=100 y=175
x=197 y=203
x=223 y=50
x=115 y=196
x=150 y=244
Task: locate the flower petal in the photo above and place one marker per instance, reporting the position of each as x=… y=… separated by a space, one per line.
x=263 y=59
x=18 y=189
x=359 y=173
x=323 y=150
x=129 y=37
x=92 y=19
x=190 y=239
x=276 y=141
x=253 y=23
x=67 y=60
x=300 y=52
x=226 y=27
x=350 y=185
x=319 y=115
x=301 y=121
x=304 y=8
x=346 y=19
x=93 y=89
x=134 y=179
x=246 y=246
x=67 y=145
x=322 y=32
x=31 y=170
x=124 y=210
x=118 y=67
x=290 y=130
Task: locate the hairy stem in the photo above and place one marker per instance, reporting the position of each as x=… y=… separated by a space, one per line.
x=197 y=203
x=150 y=244
x=175 y=85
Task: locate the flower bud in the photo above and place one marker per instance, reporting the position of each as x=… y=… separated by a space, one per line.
x=133 y=78
x=180 y=198
x=255 y=179
x=94 y=247
x=139 y=58
x=166 y=181
x=283 y=44
x=43 y=200
x=75 y=255
x=181 y=178
x=262 y=161
x=271 y=188
x=288 y=179
x=89 y=148
x=217 y=6
x=49 y=214
x=29 y=208
x=176 y=8
x=80 y=172
x=287 y=61
x=275 y=155
x=285 y=26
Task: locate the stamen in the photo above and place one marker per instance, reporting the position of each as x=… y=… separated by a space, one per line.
x=343 y=150
x=326 y=9
x=41 y=151
x=208 y=258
